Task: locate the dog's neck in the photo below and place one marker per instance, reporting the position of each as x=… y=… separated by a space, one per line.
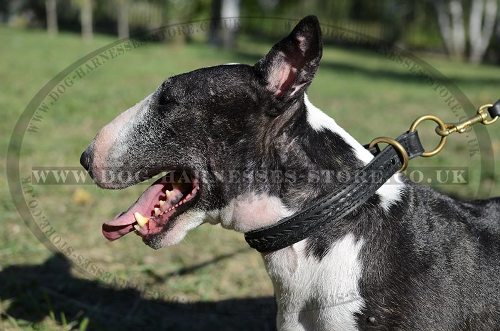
x=312 y=155
x=318 y=275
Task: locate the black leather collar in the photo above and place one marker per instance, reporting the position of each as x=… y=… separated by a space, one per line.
x=339 y=203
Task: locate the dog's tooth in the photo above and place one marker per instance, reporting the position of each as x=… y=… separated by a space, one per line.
x=168 y=194
x=157 y=211
x=141 y=220
x=137 y=228
x=162 y=202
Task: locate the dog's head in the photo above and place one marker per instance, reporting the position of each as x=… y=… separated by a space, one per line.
x=199 y=128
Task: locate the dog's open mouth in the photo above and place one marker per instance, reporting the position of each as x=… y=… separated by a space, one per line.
x=151 y=213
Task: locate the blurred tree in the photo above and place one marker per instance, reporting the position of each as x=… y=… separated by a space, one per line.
x=452 y=17
x=394 y=17
x=268 y=4
x=231 y=10
x=481 y=26
x=224 y=22
x=122 y=19
x=498 y=35
x=86 y=19
x=215 y=13
x=51 y=9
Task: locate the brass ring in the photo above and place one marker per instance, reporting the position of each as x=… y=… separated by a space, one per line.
x=399 y=148
x=447 y=132
x=442 y=127
x=484 y=110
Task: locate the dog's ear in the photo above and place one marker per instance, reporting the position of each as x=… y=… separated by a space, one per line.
x=289 y=67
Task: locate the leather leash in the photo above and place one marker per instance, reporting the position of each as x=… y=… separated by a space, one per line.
x=363 y=184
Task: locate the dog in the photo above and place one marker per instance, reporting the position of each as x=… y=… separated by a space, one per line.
x=409 y=258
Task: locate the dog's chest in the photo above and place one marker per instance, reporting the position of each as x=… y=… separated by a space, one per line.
x=314 y=294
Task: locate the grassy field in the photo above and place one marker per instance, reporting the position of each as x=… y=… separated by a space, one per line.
x=211 y=280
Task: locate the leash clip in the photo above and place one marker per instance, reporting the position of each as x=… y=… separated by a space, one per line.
x=482 y=116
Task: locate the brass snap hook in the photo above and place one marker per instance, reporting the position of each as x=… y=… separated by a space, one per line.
x=397 y=146
x=442 y=127
x=482 y=116
x=483 y=112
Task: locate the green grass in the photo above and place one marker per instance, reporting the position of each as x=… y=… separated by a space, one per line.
x=212 y=272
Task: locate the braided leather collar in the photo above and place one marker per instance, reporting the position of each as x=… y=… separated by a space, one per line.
x=338 y=204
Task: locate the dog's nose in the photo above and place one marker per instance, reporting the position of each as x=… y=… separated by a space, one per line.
x=85 y=159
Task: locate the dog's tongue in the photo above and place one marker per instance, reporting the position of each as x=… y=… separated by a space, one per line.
x=123 y=223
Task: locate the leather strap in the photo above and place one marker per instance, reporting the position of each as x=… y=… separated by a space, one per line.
x=338 y=204
x=495 y=110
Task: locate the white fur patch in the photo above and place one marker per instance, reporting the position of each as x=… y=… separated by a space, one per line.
x=311 y=294
x=318 y=120
x=317 y=295
x=390 y=192
x=251 y=211
x=113 y=135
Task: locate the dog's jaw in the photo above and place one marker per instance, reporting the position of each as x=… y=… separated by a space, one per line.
x=182 y=224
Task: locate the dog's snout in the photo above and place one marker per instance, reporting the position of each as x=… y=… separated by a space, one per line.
x=85 y=159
